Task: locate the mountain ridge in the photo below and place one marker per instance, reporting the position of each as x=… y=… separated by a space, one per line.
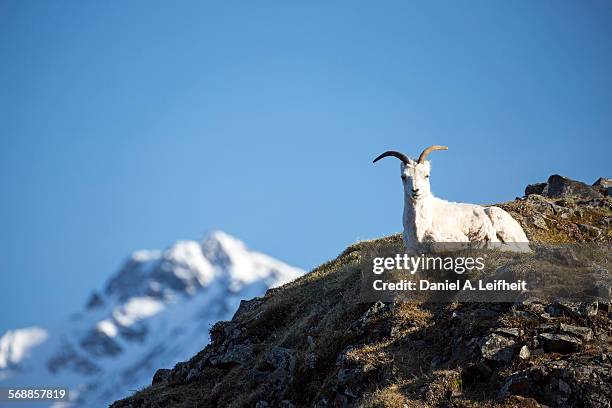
x=311 y=343
x=156 y=308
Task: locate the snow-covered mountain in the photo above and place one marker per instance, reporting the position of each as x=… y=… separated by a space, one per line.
x=154 y=312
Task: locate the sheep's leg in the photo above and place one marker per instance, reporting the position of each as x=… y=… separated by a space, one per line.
x=508 y=230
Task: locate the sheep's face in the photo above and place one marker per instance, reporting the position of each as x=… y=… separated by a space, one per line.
x=415 y=177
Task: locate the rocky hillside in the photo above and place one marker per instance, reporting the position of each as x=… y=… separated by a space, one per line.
x=311 y=343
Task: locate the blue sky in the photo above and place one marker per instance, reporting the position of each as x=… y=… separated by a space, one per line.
x=127 y=125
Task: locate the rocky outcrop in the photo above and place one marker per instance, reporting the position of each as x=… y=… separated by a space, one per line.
x=604 y=186
x=559 y=187
x=583 y=382
x=563 y=210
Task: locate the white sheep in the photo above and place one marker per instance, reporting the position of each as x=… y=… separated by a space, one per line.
x=429 y=219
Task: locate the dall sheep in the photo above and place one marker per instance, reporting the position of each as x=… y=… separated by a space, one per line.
x=428 y=219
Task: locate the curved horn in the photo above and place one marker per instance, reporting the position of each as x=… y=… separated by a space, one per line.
x=393 y=153
x=430 y=149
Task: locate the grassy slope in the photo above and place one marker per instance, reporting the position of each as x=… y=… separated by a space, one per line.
x=405 y=355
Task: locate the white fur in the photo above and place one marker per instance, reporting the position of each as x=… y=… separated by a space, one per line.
x=430 y=219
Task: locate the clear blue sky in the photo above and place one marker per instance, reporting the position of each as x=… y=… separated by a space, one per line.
x=127 y=125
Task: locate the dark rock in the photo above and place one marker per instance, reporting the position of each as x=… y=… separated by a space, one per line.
x=343 y=356
x=310 y=360
x=508 y=331
x=281 y=358
x=344 y=375
x=604 y=186
x=547 y=327
x=528 y=300
x=223 y=331
x=575 y=309
x=563 y=383
x=311 y=343
x=590 y=230
x=257 y=375
x=536 y=188
x=282 y=362
x=277 y=382
x=560 y=343
x=193 y=373
x=341 y=401
x=539 y=221
x=234 y=355
x=247 y=306
x=322 y=403
x=583 y=333
x=375 y=309
x=496 y=347
x=586 y=309
x=161 y=375
x=474 y=373
x=559 y=187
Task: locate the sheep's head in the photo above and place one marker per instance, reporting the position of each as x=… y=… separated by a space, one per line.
x=415 y=174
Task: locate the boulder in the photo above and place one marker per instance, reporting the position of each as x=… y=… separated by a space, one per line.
x=562 y=307
x=234 y=355
x=537 y=188
x=560 y=343
x=560 y=187
x=281 y=358
x=248 y=306
x=374 y=310
x=282 y=361
x=583 y=333
x=497 y=347
x=524 y=353
x=161 y=375
x=508 y=331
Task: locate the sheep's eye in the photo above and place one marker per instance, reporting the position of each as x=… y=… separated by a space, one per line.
x=427 y=176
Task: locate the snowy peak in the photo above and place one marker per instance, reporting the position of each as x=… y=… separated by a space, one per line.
x=188 y=266
x=182 y=268
x=134 y=275
x=241 y=266
x=16 y=344
x=219 y=247
x=155 y=311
